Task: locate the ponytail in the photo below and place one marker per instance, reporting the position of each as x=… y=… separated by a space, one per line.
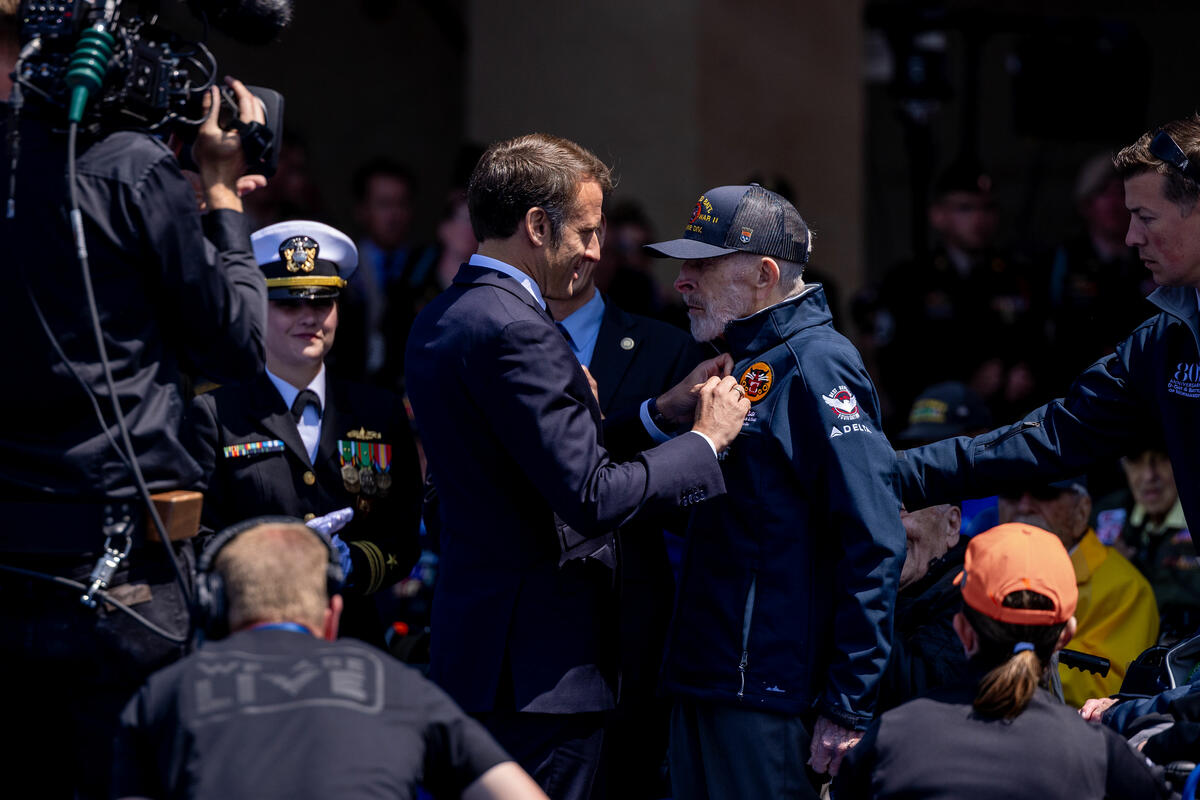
x=1006 y=690
x=1018 y=654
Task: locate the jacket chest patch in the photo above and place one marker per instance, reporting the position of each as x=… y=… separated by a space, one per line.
x=1185 y=380
x=757 y=380
x=253 y=448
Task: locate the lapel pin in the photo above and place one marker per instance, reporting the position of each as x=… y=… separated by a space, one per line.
x=627 y=343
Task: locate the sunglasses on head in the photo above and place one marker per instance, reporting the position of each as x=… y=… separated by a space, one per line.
x=1167 y=150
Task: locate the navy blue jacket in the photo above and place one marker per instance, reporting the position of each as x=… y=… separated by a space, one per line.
x=513 y=436
x=789 y=579
x=1149 y=387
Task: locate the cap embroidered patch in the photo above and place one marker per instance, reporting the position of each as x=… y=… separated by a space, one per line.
x=843 y=403
x=701 y=215
x=929 y=409
x=756 y=380
x=299 y=254
x=745 y=235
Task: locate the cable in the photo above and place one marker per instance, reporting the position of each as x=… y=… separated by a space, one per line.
x=87 y=390
x=103 y=595
x=76 y=217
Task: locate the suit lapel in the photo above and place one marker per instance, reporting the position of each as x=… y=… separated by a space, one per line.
x=277 y=418
x=611 y=360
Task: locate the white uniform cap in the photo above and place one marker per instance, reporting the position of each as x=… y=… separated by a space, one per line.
x=302 y=258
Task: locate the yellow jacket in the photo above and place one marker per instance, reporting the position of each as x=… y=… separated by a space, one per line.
x=1117 y=614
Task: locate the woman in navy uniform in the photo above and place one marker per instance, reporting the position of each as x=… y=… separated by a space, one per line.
x=299 y=442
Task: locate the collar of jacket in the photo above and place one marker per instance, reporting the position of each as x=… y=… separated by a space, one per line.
x=1174 y=521
x=1181 y=303
x=766 y=328
x=472 y=275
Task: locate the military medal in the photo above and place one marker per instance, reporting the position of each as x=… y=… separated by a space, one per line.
x=350 y=478
x=381 y=458
x=365 y=466
x=349 y=471
x=366 y=476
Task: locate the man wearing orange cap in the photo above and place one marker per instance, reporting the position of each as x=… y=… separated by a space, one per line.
x=1000 y=736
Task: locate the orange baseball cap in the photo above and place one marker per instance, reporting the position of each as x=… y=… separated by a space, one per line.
x=1013 y=557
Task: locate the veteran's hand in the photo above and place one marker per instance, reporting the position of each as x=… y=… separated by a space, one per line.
x=830 y=743
x=1094 y=709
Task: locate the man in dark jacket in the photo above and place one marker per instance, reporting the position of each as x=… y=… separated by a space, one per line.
x=1149 y=387
x=176 y=294
x=783 y=620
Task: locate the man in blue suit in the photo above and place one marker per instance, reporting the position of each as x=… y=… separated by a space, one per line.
x=524 y=628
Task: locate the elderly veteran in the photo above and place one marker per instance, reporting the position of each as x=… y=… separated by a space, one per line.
x=783 y=619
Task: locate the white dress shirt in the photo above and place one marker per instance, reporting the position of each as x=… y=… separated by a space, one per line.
x=309 y=425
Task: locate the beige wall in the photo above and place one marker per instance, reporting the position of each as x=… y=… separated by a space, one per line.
x=681 y=96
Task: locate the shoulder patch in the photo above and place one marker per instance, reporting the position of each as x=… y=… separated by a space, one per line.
x=756 y=380
x=842 y=403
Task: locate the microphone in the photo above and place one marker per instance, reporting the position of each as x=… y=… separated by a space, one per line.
x=247 y=21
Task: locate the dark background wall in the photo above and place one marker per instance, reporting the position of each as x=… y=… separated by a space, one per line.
x=1054 y=83
x=683 y=94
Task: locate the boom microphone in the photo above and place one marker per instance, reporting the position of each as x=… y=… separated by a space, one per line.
x=247 y=21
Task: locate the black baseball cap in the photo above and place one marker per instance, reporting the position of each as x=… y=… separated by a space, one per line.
x=944 y=410
x=749 y=219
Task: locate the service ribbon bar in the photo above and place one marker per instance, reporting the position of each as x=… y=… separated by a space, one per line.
x=253 y=448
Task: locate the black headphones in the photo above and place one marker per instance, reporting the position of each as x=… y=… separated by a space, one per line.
x=212 y=606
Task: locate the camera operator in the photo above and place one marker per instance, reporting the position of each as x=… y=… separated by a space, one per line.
x=176 y=294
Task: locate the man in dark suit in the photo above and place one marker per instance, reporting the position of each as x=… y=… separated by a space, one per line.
x=300 y=443
x=522 y=634
x=632 y=357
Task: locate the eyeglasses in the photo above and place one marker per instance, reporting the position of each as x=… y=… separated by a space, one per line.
x=1167 y=150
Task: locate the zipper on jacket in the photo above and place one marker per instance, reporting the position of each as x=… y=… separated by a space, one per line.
x=746 y=616
x=1025 y=426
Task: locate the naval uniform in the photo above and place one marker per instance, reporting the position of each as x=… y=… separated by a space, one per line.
x=257 y=463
